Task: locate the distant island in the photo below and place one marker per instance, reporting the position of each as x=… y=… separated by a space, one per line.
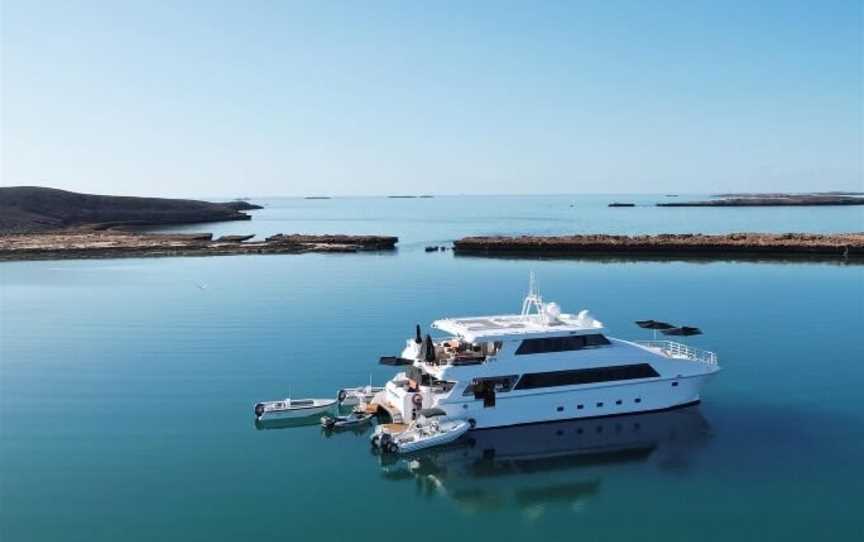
x=785 y=194
x=39 y=223
x=317 y=197
x=772 y=200
x=28 y=209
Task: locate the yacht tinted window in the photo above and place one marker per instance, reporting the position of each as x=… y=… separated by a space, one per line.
x=585 y=376
x=596 y=340
x=501 y=383
x=560 y=344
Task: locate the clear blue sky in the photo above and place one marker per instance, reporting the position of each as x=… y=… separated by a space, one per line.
x=291 y=98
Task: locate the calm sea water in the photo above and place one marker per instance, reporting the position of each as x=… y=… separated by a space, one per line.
x=126 y=390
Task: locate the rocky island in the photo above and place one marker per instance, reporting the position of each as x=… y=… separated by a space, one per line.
x=46 y=223
x=772 y=200
x=28 y=209
x=119 y=244
x=767 y=245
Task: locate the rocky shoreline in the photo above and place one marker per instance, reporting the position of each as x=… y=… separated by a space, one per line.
x=118 y=244
x=762 y=245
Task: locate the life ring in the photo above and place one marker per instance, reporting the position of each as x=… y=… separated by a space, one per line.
x=417 y=400
x=342 y=395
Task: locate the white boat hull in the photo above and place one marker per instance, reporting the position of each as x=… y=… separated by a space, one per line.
x=563 y=404
x=274 y=410
x=448 y=435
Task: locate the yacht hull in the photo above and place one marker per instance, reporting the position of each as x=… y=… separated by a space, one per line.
x=587 y=402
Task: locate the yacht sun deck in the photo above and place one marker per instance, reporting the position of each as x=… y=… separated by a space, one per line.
x=507 y=326
x=536 y=319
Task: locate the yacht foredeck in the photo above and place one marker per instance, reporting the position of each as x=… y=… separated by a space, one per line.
x=487 y=328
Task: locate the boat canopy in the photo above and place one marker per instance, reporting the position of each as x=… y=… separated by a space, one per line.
x=432 y=412
x=684 y=331
x=653 y=324
x=517 y=326
x=537 y=319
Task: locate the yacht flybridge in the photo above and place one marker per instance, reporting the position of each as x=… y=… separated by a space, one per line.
x=537 y=366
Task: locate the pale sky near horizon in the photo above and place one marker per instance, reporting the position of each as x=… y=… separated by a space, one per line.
x=227 y=99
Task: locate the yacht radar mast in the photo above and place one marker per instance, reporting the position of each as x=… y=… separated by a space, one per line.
x=533 y=300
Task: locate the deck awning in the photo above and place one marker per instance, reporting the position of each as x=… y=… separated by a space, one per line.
x=653 y=324
x=683 y=331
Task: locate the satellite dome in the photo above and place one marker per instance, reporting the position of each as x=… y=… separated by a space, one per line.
x=552 y=310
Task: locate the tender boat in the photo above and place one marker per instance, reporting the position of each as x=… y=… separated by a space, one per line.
x=356 y=418
x=431 y=428
x=356 y=396
x=541 y=365
x=292 y=408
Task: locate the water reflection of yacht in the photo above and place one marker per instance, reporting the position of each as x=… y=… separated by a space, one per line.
x=559 y=463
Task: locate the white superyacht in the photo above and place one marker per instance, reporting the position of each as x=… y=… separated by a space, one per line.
x=541 y=365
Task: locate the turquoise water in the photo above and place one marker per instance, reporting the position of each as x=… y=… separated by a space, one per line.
x=443 y=219
x=126 y=390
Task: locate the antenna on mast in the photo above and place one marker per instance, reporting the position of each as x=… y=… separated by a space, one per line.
x=533 y=299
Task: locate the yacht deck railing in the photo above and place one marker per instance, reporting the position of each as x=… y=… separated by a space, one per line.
x=676 y=350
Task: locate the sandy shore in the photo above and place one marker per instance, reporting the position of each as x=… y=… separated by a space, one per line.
x=113 y=244
x=786 y=245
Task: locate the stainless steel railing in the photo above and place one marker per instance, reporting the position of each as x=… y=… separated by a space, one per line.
x=676 y=350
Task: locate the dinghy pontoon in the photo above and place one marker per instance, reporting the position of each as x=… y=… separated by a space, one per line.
x=431 y=428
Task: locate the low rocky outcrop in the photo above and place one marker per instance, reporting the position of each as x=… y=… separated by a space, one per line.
x=241 y=205
x=234 y=238
x=121 y=244
x=753 y=244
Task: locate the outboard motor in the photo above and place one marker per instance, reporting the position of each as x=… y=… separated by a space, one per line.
x=417 y=338
x=259 y=410
x=430 y=349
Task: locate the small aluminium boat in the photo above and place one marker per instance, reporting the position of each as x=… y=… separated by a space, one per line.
x=292 y=408
x=355 y=396
x=356 y=418
x=431 y=428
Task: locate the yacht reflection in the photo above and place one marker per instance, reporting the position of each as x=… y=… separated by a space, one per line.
x=561 y=464
x=287 y=422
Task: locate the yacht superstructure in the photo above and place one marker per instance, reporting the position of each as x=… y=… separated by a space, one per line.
x=537 y=366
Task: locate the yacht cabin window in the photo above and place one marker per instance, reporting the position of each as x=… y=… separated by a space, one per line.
x=585 y=376
x=548 y=345
x=500 y=383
